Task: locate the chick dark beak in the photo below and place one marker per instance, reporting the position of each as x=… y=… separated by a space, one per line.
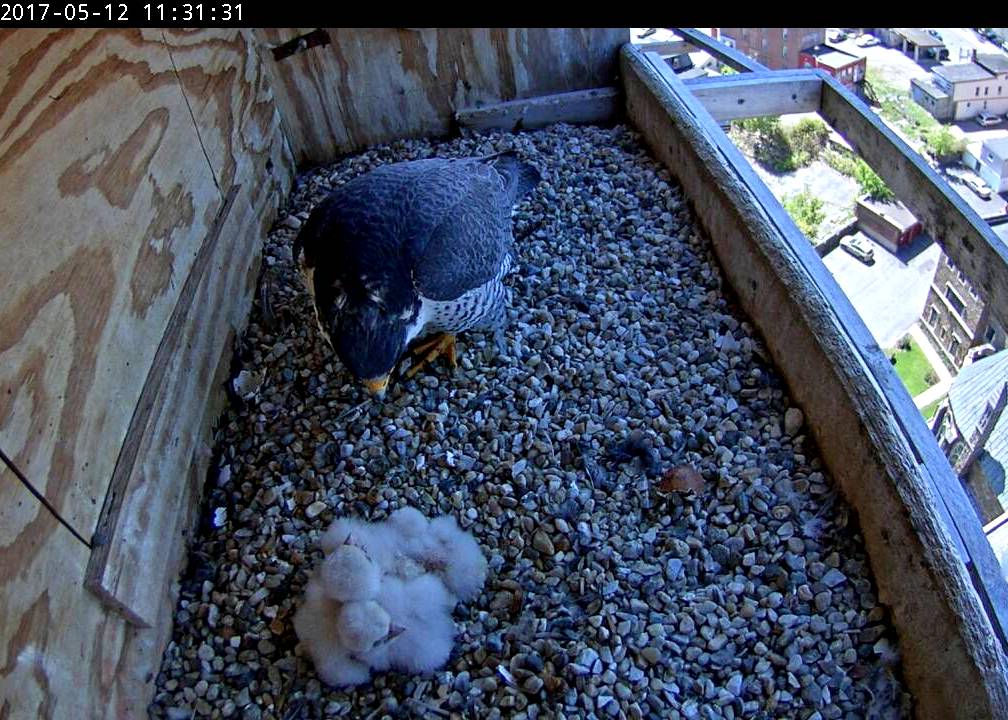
x=394 y=631
x=377 y=386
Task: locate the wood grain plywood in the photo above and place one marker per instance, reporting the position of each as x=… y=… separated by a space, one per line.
x=64 y=655
x=374 y=85
x=232 y=104
x=108 y=196
x=144 y=537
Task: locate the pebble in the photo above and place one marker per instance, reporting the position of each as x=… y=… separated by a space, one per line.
x=603 y=598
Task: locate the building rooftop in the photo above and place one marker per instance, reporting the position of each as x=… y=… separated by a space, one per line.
x=995 y=62
x=975 y=387
x=962 y=72
x=930 y=88
x=998 y=146
x=894 y=212
x=830 y=56
x=920 y=38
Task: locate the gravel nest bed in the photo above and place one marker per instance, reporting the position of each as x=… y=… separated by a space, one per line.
x=605 y=598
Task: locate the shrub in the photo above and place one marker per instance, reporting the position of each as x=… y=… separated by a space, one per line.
x=807 y=140
x=871 y=184
x=806 y=210
x=931 y=378
x=943 y=144
x=904 y=343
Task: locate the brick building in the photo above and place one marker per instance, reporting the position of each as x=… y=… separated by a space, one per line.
x=777 y=48
x=956 y=317
x=848 y=69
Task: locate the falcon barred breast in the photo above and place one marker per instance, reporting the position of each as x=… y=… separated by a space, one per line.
x=410 y=250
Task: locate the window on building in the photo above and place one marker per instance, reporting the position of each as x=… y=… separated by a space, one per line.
x=944 y=332
x=954 y=300
x=985 y=90
x=948 y=261
x=784 y=33
x=954 y=345
x=977 y=93
x=956 y=453
x=989 y=335
x=783 y=51
x=933 y=316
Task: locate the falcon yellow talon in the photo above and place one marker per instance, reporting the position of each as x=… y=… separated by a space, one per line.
x=428 y=351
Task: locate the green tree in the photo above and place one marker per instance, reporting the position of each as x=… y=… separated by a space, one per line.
x=806 y=210
x=871 y=184
x=943 y=144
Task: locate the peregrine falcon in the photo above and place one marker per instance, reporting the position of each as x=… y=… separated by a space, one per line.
x=410 y=250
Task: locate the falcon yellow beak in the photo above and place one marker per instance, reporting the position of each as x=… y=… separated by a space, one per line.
x=377 y=386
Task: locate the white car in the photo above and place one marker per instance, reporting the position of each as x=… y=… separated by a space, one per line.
x=980 y=188
x=866 y=40
x=987 y=119
x=860 y=247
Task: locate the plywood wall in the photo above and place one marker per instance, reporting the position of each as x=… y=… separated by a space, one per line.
x=141 y=170
x=123 y=156
x=375 y=85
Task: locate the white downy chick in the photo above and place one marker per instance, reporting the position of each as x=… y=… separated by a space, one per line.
x=363 y=627
x=360 y=625
x=422 y=607
x=349 y=575
x=315 y=625
x=456 y=557
x=372 y=538
x=391 y=545
x=408 y=531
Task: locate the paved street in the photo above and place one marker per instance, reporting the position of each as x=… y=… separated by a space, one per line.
x=962 y=41
x=889 y=295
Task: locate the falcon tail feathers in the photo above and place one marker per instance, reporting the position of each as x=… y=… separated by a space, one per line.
x=519 y=176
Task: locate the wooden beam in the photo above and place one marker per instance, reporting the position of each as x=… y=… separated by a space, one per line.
x=729 y=56
x=856 y=407
x=758 y=94
x=373 y=85
x=598 y=105
x=666 y=48
x=962 y=233
x=117 y=556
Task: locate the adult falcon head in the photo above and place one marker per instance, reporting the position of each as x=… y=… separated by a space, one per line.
x=411 y=249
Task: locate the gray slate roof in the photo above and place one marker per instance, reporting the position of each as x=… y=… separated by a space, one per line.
x=976 y=386
x=995 y=62
x=962 y=72
x=919 y=37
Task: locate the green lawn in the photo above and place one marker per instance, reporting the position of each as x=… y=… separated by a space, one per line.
x=912 y=367
x=928 y=411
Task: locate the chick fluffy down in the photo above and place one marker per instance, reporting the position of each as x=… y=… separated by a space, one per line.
x=315 y=625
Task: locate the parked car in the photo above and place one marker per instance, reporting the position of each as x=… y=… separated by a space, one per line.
x=936 y=35
x=836 y=35
x=987 y=119
x=866 y=40
x=980 y=188
x=860 y=247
